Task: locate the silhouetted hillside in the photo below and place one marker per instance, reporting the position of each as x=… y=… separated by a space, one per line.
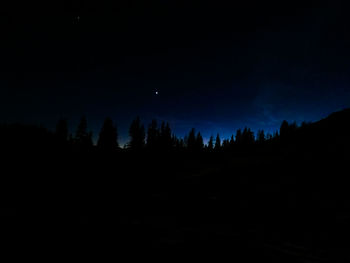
x=329 y=137
x=335 y=129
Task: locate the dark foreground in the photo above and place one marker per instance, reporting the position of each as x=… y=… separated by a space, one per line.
x=275 y=208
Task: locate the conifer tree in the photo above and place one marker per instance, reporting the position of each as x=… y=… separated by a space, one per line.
x=225 y=144
x=137 y=135
x=153 y=136
x=83 y=138
x=261 y=136
x=191 y=140
x=210 y=146
x=284 y=129
x=199 y=142
x=239 y=136
x=108 y=138
x=217 y=143
x=231 y=143
x=165 y=136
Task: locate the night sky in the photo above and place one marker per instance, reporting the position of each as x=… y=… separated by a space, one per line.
x=216 y=67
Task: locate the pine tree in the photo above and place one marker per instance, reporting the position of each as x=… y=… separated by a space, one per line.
x=165 y=136
x=284 y=129
x=81 y=133
x=153 y=136
x=261 y=136
x=199 y=142
x=210 y=146
x=232 y=143
x=179 y=144
x=239 y=136
x=225 y=144
x=137 y=135
x=217 y=143
x=247 y=136
x=191 y=140
x=175 y=142
x=108 y=138
x=83 y=138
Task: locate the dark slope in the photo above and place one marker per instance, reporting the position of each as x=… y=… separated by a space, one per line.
x=326 y=138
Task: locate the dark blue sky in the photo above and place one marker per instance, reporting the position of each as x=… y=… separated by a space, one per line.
x=217 y=67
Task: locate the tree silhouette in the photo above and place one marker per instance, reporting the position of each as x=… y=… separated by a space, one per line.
x=178 y=143
x=108 y=138
x=287 y=130
x=165 y=137
x=225 y=144
x=153 y=136
x=292 y=128
x=210 y=146
x=304 y=124
x=199 y=142
x=247 y=137
x=261 y=136
x=269 y=137
x=191 y=140
x=239 y=136
x=83 y=138
x=81 y=132
x=284 y=129
x=231 y=143
x=251 y=137
x=137 y=135
x=217 y=143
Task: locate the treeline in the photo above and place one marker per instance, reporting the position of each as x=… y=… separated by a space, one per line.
x=156 y=137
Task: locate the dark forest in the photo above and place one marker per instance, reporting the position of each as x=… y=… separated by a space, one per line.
x=285 y=195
